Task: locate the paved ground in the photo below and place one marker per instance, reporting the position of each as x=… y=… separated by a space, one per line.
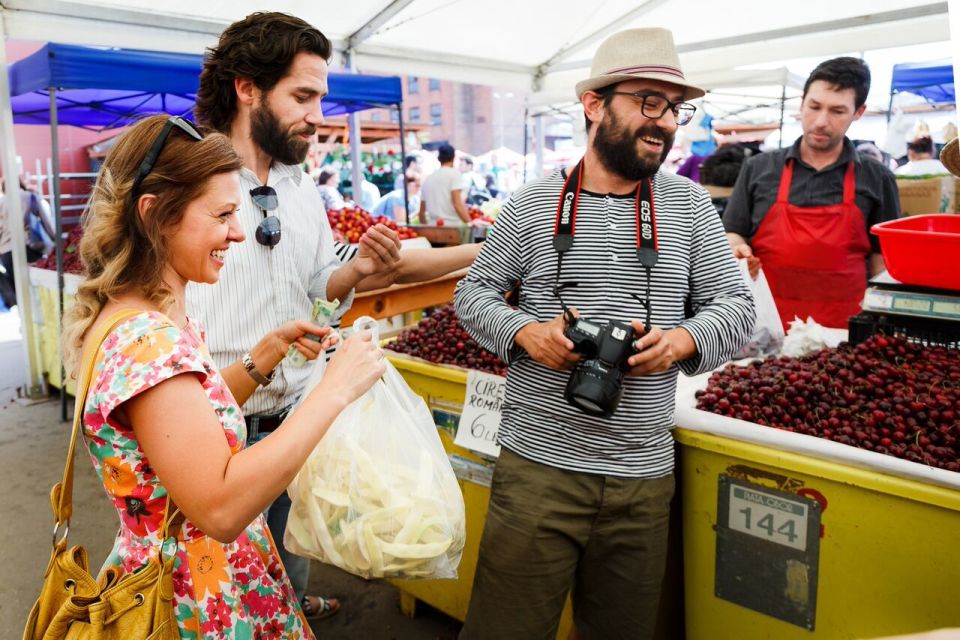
x=33 y=444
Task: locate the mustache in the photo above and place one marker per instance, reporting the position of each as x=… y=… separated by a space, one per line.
x=307 y=130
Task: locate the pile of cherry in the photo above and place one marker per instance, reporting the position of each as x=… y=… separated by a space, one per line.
x=439 y=338
x=886 y=395
x=71 y=254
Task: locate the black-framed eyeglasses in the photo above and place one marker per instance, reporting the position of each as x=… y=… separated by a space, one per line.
x=150 y=160
x=655 y=106
x=268 y=231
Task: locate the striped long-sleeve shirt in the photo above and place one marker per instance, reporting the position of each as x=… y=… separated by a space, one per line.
x=696 y=270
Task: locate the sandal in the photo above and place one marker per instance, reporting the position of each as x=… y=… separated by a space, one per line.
x=324 y=607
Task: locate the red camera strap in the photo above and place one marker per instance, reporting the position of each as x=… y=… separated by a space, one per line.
x=566 y=225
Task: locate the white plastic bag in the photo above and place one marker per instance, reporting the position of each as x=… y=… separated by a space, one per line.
x=807 y=336
x=377 y=497
x=767 y=334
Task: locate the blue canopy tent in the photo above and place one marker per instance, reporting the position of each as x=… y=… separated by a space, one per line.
x=102 y=88
x=930 y=80
x=98 y=88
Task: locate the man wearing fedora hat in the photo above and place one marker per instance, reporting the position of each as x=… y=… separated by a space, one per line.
x=805 y=211
x=581 y=495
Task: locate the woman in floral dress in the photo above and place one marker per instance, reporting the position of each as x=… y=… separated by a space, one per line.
x=160 y=421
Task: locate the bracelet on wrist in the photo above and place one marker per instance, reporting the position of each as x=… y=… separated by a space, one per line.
x=251 y=368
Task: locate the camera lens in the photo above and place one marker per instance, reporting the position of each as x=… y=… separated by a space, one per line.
x=594 y=388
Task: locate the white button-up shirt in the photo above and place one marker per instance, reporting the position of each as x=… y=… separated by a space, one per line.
x=260 y=288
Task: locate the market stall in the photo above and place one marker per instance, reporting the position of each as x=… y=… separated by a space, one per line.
x=819 y=491
x=785 y=534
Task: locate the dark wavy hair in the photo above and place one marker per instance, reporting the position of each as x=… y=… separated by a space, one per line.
x=260 y=47
x=843 y=73
x=922 y=144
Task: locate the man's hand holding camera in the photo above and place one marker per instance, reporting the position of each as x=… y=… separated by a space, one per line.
x=657 y=349
x=546 y=344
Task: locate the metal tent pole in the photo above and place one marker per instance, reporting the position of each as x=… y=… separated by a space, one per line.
x=353 y=120
x=783 y=107
x=58 y=217
x=403 y=162
x=33 y=385
x=538 y=132
x=526 y=138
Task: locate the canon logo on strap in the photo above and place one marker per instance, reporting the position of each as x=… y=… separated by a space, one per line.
x=646 y=228
x=567 y=207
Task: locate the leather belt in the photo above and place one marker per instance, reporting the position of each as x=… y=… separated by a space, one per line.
x=265 y=423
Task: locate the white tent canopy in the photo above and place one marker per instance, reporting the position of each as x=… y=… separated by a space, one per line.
x=535 y=45
x=542 y=47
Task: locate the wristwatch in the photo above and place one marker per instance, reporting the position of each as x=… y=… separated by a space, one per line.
x=251 y=368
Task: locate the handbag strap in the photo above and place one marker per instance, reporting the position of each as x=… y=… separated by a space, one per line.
x=61 y=496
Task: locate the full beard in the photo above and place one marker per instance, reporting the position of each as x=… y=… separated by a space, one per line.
x=268 y=133
x=617 y=149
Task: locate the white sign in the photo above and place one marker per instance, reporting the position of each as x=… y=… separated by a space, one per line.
x=768 y=517
x=480 y=420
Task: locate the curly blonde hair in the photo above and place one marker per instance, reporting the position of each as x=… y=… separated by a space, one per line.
x=121 y=250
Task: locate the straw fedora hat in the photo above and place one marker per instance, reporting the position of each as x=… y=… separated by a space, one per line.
x=950 y=157
x=637 y=53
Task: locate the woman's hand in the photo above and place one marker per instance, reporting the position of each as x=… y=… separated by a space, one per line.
x=354 y=368
x=306 y=337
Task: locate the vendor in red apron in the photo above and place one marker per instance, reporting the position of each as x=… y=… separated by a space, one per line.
x=804 y=212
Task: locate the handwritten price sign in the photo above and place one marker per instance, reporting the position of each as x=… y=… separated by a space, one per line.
x=480 y=420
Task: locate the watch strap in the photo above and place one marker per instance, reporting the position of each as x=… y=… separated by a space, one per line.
x=251 y=368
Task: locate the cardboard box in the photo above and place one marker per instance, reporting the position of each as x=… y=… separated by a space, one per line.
x=929 y=195
x=718 y=192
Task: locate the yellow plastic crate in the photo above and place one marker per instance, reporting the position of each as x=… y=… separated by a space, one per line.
x=889 y=558
x=444 y=389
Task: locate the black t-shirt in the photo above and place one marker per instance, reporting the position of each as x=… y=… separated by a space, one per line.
x=759 y=180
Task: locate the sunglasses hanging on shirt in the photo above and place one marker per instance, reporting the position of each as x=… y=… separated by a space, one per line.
x=268 y=231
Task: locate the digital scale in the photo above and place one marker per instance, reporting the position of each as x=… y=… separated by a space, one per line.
x=929 y=315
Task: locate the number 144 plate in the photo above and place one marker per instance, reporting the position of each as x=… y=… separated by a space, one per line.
x=768 y=516
x=768 y=550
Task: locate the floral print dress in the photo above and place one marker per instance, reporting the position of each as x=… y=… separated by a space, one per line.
x=237 y=590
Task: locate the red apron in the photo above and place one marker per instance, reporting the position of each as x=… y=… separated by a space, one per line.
x=815 y=258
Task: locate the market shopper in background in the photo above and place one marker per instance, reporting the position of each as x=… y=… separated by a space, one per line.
x=410 y=163
x=162 y=421
x=442 y=192
x=391 y=205
x=921 y=160
x=580 y=504
x=328 y=183
x=805 y=211
x=38 y=230
x=262 y=86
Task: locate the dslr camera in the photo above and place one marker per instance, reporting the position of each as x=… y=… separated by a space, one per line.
x=596 y=383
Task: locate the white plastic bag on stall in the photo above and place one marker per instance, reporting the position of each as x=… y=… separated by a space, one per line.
x=768 y=333
x=377 y=497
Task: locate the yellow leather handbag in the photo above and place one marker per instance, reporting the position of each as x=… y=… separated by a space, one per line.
x=73 y=604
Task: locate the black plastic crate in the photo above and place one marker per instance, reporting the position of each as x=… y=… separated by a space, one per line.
x=928 y=331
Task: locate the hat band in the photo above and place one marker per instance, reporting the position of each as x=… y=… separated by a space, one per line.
x=647 y=68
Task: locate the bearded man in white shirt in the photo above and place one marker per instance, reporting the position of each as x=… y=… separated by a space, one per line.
x=262 y=85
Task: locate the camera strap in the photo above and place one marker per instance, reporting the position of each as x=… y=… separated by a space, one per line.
x=566 y=224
